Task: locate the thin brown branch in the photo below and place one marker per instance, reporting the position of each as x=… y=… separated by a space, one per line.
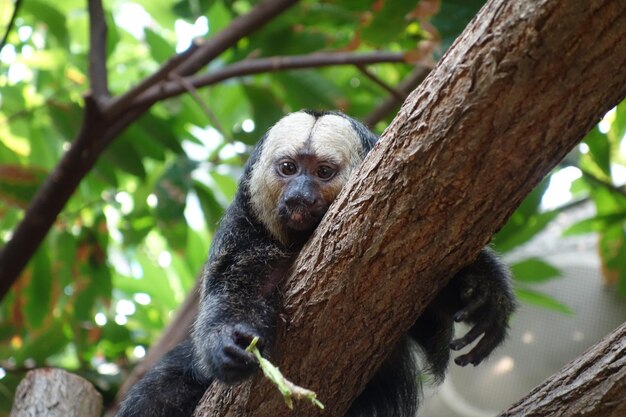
x=200 y=55
x=98 y=52
x=16 y=10
x=399 y=95
x=262 y=65
x=392 y=103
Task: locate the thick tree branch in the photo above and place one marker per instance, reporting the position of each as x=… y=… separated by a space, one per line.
x=262 y=65
x=511 y=97
x=98 y=52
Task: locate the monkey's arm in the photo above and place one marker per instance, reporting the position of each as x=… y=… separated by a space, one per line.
x=238 y=300
x=480 y=295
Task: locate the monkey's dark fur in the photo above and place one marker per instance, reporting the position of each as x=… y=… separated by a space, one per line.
x=290 y=180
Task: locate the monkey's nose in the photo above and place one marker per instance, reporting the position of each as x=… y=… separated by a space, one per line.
x=301 y=200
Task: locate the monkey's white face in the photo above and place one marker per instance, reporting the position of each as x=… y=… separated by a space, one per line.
x=304 y=163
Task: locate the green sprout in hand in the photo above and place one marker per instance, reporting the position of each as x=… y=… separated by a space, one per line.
x=288 y=389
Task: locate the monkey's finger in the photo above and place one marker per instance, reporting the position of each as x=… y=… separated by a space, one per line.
x=483 y=348
x=243 y=335
x=469 y=337
x=234 y=356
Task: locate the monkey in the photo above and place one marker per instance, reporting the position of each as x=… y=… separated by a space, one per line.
x=291 y=178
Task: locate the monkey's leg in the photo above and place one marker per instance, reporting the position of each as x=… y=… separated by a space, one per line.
x=170 y=389
x=395 y=388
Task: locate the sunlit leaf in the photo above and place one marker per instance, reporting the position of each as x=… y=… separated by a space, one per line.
x=539 y=299
x=595 y=224
x=599 y=150
x=534 y=270
x=160 y=49
x=55 y=19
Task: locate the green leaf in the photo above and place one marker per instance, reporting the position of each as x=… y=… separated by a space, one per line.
x=618 y=127
x=612 y=247
x=515 y=233
x=160 y=130
x=38 y=293
x=541 y=300
x=66 y=117
x=113 y=35
x=534 y=270
x=160 y=49
x=211 y=207
x=388 y=23
x=266 y=110
x=171 y=191
x=599 y=150
x=452 y=18
x=307 y=89
x=41 y=345
x=192 y=9
x=54 y=19
x=595 y=224
x=123 y=154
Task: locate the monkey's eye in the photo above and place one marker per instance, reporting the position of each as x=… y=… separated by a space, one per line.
x=287 y=168
x=325 y=172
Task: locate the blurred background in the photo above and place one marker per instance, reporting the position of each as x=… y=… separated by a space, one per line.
x=127 y=247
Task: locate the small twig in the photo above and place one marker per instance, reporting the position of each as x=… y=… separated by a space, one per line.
x=399 y=95
x=97 y=52
x=262 y=65
x=16 y=9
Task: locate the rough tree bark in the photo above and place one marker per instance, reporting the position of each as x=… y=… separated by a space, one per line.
x=56 y=393
x=516 y=92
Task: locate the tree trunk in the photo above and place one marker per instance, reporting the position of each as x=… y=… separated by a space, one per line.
x=56 y=393
x=515 y=93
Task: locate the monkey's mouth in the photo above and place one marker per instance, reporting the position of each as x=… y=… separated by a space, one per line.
x=300 y=218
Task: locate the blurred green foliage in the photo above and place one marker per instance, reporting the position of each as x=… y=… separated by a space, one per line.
x=129 y=244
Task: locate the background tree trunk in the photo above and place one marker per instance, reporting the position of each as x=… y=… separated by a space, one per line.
x=515 y=93
x=56 y=393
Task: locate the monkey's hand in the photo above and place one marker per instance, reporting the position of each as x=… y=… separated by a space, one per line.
x=487 y=302
x=230 y=362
